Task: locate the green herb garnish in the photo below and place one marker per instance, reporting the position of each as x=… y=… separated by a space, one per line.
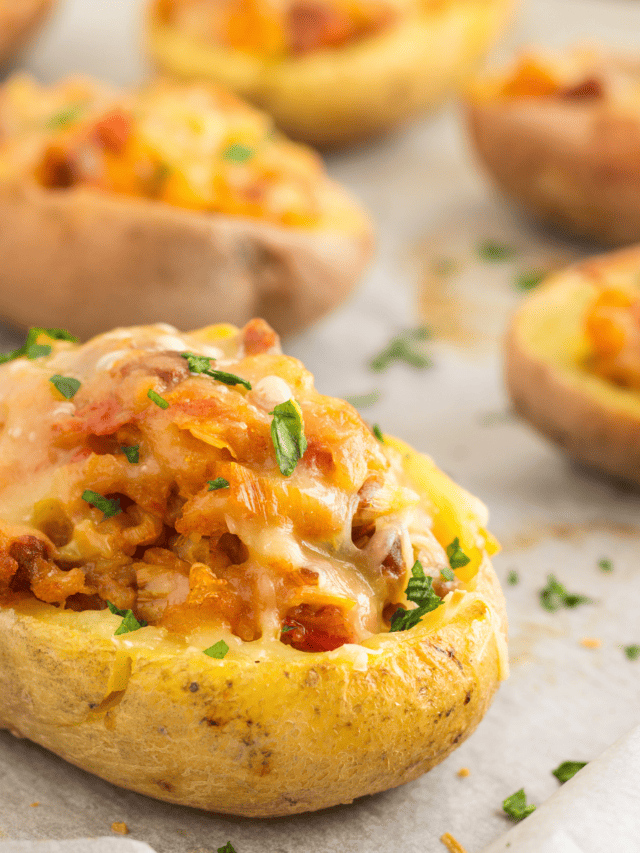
x=402 y=348
x=286 y=628
x=107 y=507
x=132 y=452
x=218 y=483
x=375 y=429
x=129 y=622
x=605 y=565
x=238 y=153
x=217 y=650
x=567 y=770
x=31 y=349
x=489 y=250
x=361 y=401
x=419 y=591
x=457 y=557
x=513 y=578
x=447 y=574
x=632 y=652
x=157 y=399
x=228 y=848
x=516 y=806
x=554 y=596
x=202 y=364
x=65 y=116
x=66 y=385
x=528 y=280
x=287 y=435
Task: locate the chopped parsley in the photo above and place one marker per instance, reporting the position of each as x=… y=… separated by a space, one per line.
x=567 y=770
x=218 y=483
x=528 y=280
x=361 y=401
x=32 y=349
x=457 y=557
x=217 y=650
x=447 y=574
x=238 y=153
x=375 y=429
x=513 y=578
x=419 y=591
x=286 y=628
x=202 y=364
x=107 y=507
x=554 y=596
x=605 y=564
x=443 y=267
x=287 y=435
x=228 y=848
x=632 y=652
x=129 y=622
x=66 y=385
x=402 y=348
x=65 y=116
x=516 y=806
x=157 y=399
x=132 y=452
x=492 y=251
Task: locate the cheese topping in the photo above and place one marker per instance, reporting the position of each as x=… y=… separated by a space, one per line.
x=157 y=489
x=194 y=147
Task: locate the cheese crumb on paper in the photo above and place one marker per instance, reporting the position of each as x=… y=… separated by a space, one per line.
x=452 y=845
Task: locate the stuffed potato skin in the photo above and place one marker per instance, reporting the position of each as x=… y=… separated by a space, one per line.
x=359 y=731
x=18 y=20
x=592 y=419
x=567 y=158
x=336 y=97
x=136 y=190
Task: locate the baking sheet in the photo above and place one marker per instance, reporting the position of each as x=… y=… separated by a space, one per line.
x=563 y=701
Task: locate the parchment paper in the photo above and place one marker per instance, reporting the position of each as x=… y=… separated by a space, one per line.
x=563 y=701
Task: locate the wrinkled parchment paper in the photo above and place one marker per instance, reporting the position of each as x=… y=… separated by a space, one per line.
x=564 y=701
x=597 y=810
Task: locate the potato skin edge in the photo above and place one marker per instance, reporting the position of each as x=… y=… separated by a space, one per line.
x=259 y=740
x=105 y=261
x=586 y=427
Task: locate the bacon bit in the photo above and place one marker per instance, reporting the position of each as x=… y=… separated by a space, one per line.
x=259 y=338
x=591 y=642
x=464 y=772
x=103 y=417
x=55 y=170
x=452 y=845
x=588 y=89
x=315 y=629
x=120 y=828
x=81 y=454
x=113 y=131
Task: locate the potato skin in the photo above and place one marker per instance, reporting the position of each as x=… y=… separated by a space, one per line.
x=255 y=739
x=570 y=163
x=337 y=97
x=18 y=24
x=105 y=260
x=591 y=419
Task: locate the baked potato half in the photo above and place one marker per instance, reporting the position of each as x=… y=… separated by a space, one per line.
x=18 y=21
x=330 y=72
x=561 y=137
x=573 y=362
x=175 y=201
x=218 y=588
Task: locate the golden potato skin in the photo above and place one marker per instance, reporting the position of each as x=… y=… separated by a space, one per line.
x=105 y=260
x=337 y=97
x=255 y=739
x=593 y=420
x=18 y=21
x=572 y=164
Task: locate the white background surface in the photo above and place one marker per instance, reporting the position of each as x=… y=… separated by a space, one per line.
x=563 y=701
